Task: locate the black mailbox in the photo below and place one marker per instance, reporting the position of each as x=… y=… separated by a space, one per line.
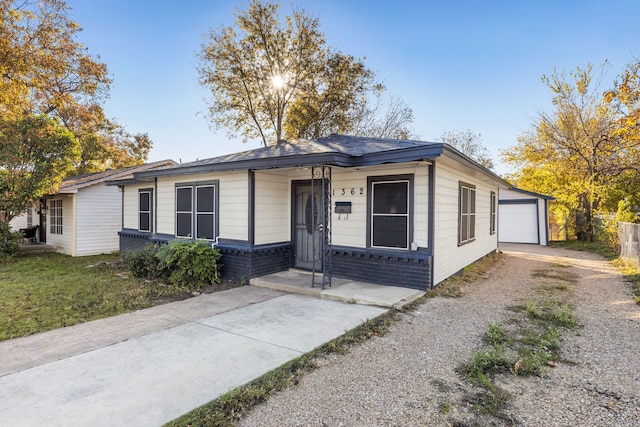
x=343 y=207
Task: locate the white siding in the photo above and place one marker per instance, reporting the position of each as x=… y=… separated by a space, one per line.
x=63 y=243
x=449 y=258
x=351 y=229
x=272 y=207
x=21 y=221
x=130 y=210
x=98 y=220
x=233 y=202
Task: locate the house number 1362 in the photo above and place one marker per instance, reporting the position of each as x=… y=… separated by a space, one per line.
x=352 y=191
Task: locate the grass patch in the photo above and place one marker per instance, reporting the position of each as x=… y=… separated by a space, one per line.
x=593 y=247
x=556 y=275
x=554 y=288
x=453 y=286
x=495 y=335
x=229 y=408
x=444 y=408
x=550 y=312
x=48 y=291
x=631 y=273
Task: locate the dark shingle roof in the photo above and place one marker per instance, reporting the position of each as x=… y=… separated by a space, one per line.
x=336 y=150
x=84 y=180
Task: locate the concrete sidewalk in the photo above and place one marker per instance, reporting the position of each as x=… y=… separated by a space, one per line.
x=149 y=367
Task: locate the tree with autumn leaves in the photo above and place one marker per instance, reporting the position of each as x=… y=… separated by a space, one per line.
x=586 y=152
x=51 y=95
x=273 y=79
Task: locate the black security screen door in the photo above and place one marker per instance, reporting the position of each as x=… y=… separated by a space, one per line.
x=308 y=236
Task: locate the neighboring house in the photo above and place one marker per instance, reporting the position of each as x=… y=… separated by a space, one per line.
x=395 y=212
x=523 y=217
x=85 y=215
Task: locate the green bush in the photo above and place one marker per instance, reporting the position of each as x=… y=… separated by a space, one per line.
x=143 y=262
x=189 y=263
x=8 y=241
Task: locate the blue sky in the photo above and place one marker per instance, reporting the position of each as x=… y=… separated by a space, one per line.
x=459 y=64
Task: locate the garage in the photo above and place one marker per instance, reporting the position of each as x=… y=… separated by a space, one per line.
x=523 y=217
x=518 y=223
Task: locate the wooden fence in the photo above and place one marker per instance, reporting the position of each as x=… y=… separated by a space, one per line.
x=629 y=238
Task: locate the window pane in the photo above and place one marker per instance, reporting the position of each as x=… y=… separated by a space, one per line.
x=465 y=200
x=390 y=197
x=472 y=227
x=464 y=228
x=390 y=231
x=144 y=221
x=183 y=224
x=145 y=201
x=183 y=199
x=204 y=199
x=472 y=196
x=205 y=226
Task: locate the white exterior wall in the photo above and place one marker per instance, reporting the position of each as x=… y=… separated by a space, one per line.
x=63 y=243
x=351 y=229
x=273 y=203
x=98 y=220
x=272 y=207
x=449 y=258
x=233 y=197
x=130 y=205
x=21 y=221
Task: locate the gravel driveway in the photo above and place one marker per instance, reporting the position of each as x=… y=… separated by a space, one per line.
x=406 y=376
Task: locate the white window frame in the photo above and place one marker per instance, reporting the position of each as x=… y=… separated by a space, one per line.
x=494 y=213
x=55 y=216
x=466 y=217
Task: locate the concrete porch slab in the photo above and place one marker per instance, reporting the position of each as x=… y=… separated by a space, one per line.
x=299 y=282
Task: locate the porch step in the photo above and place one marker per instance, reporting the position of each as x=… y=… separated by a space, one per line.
x=345 y=290
x=34 y=248
x=292 y=281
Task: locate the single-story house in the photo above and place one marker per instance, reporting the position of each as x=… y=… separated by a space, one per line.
x=84 y=216
x=523 y=216
x=395 y=212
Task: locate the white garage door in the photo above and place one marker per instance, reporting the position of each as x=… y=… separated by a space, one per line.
x=518 y=223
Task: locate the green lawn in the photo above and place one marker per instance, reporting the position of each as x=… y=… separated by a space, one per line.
x=49 y=291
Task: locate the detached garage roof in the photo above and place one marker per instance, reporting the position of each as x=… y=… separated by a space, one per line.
x=531 y=193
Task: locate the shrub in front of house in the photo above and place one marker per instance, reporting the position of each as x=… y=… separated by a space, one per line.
x=189 y=263
x=8 y=241
x=143 y=263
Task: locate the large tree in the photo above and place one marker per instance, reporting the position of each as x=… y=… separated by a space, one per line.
x=469 y=143
x=579 y=152
x=35 y=154
x=45 y=70
x=272 y=79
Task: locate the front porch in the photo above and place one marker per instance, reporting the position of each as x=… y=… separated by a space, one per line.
x=345 y=290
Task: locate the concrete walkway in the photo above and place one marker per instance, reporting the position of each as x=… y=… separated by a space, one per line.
x=149 y=367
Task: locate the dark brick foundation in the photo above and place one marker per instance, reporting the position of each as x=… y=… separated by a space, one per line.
x=393 y=268
x=240 y=260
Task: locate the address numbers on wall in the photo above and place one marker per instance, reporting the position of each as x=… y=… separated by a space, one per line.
x=353 y=191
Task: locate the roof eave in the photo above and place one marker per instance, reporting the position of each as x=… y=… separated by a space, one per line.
x=461 y=158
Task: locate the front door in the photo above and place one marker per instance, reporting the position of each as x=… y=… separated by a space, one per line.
x=307 y=229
